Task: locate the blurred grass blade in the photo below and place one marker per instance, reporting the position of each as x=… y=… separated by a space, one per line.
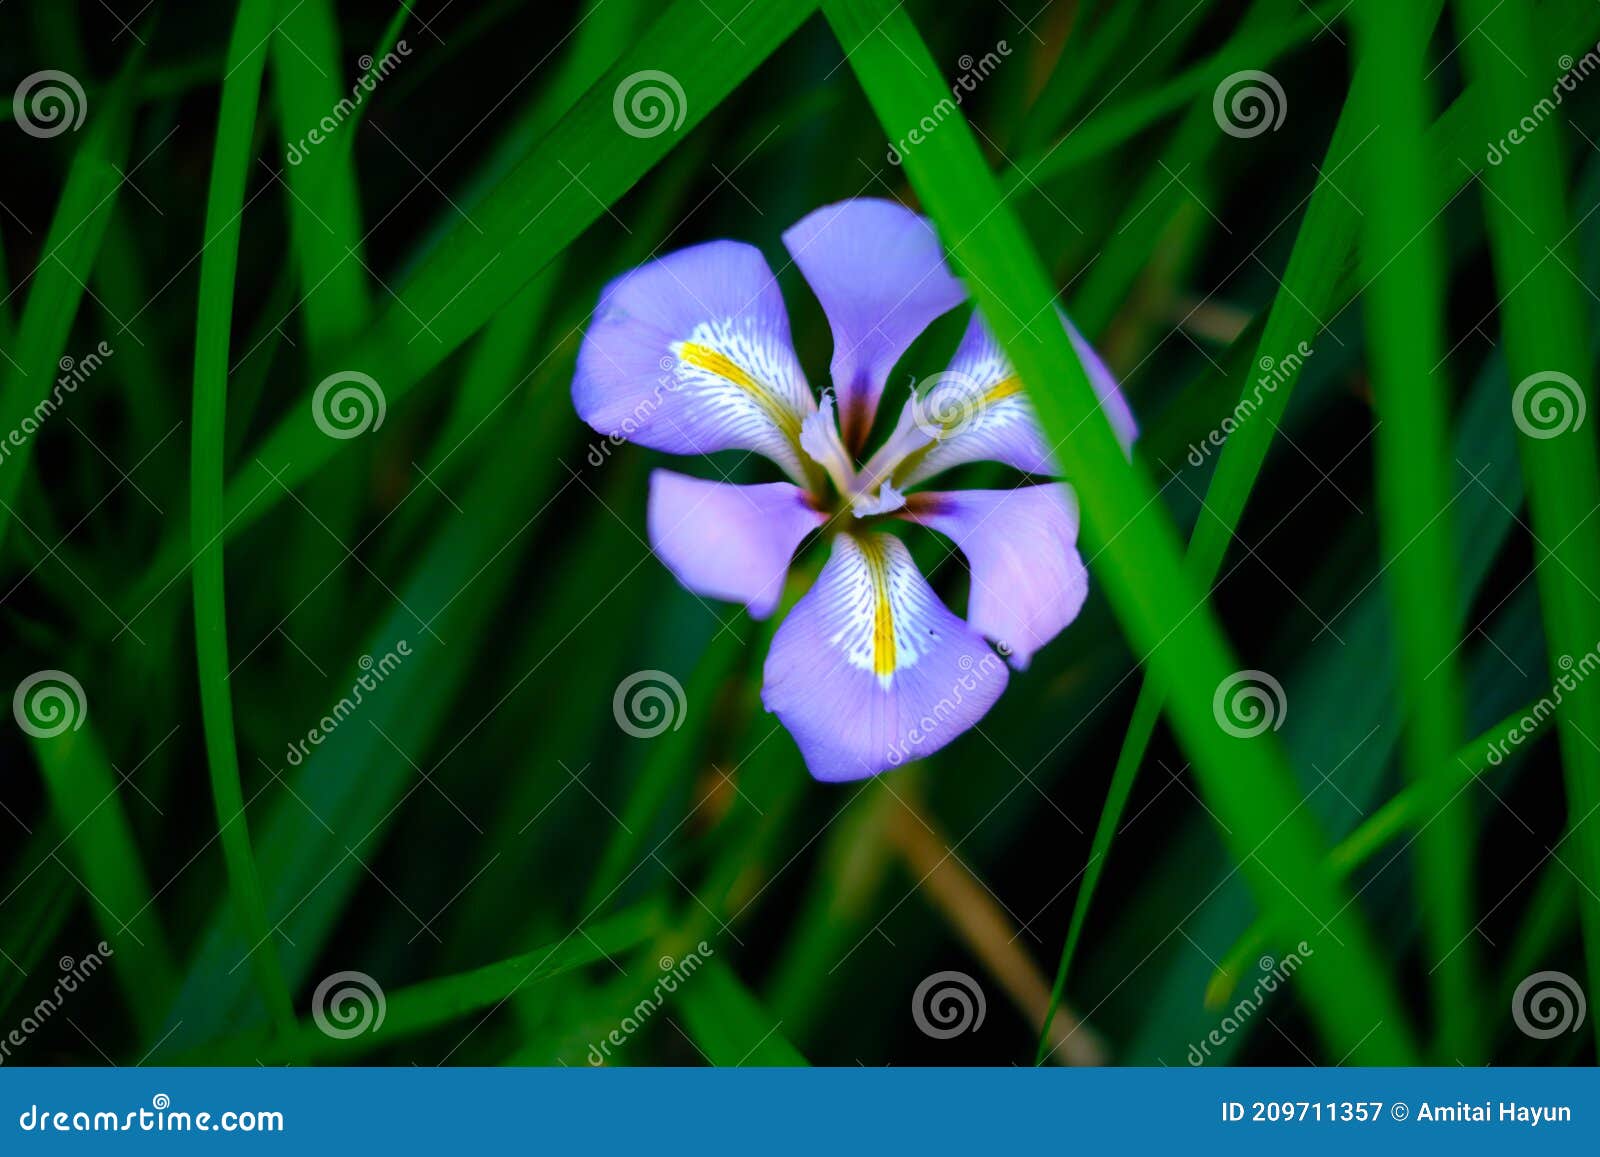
x=324 y=205
x=1326 y=238
x=729 y=1027
x=1412 y=808
x=1095 y=137
x=83 y=787
x=562 y=187
x=1350 y=996
x=344 y=794
x=432 y=1004
x=1150 y=208
x=1545 y=336
x=1405 y=330
x=218 y=264
x=56 y=286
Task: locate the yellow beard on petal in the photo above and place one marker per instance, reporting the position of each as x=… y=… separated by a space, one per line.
x=715 y=362
x=1002 y=390
x=883 y=645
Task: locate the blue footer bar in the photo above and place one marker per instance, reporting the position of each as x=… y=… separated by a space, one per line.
x=744 y=1111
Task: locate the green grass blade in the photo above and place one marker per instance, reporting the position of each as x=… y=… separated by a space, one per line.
x=56 y=285
x=351 y=783
x=670 y=758
x=324 y=206
x=1325 y=241
x=1097 y=135
x=1350 y=996
x=729 y=1026
x=431 y=1004
x=557 y=191
x=1405 y=327
x=1151 y=207
x=1410 y=809
x=560 y=189
x=218 y=264
x=83 y=788
x=1545 y=330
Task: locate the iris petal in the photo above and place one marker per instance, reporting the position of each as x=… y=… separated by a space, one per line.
x=870 y=670
x=691 y=354
x=880 y=274
x=726 y=541
x=978 y=412
x=1028 y=580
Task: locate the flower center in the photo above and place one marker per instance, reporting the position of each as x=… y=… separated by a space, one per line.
x=869 y=491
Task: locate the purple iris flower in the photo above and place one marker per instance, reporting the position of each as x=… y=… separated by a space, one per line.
x=690 y=353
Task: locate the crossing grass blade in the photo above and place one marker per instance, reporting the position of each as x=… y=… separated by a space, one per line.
x=1160 y=606
x=1544 y=331
x=1325 y=241
x=218 y=265
x=432 y=1004
x=1411 y=809
x=535 y=213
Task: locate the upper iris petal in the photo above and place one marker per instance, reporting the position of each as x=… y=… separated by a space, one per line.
x=880 y=274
